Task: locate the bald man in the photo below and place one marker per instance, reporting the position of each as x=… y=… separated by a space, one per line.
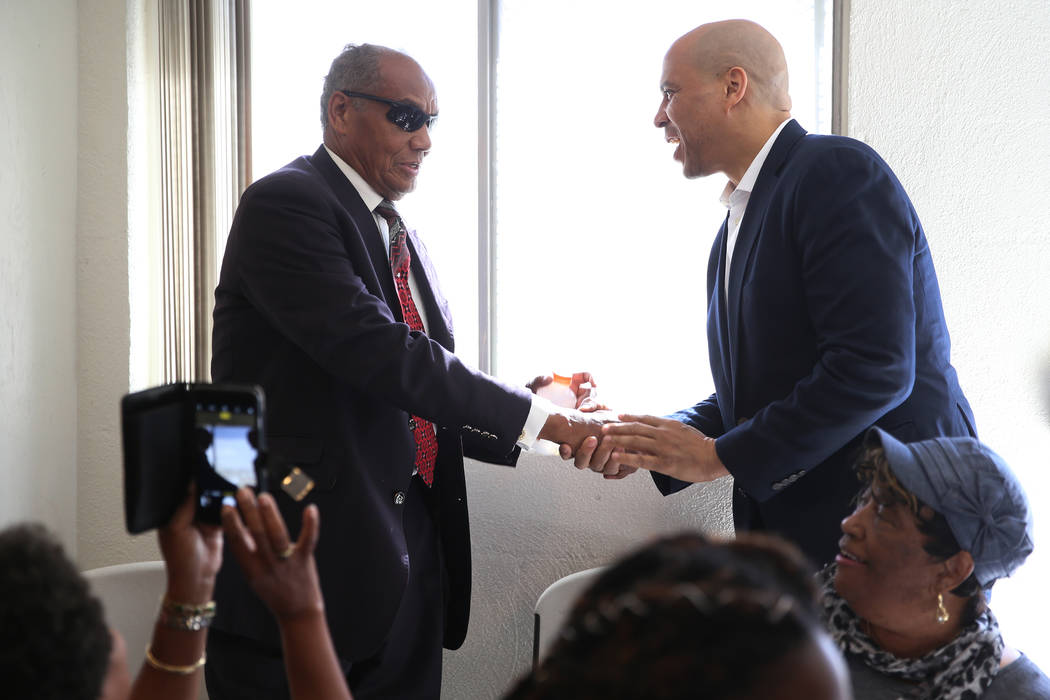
x=823 y=312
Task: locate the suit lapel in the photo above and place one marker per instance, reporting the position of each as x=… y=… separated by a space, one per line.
x=757 y=204
x=365 y=223
x=717 y=326
x=439 y=321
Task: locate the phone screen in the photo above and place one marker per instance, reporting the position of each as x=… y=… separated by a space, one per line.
x=225 y=434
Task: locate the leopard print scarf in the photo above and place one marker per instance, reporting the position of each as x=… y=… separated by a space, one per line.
x=960 y=670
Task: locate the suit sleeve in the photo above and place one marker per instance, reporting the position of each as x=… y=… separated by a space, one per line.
x=855 y=234
x=297 y=252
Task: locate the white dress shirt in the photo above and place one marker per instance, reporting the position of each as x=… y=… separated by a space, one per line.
x=541 y=409
x=736 y=196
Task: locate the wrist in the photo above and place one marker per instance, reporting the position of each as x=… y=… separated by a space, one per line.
x=555 y=428
x=305 y=615
x=181 y=615
x=190 y=590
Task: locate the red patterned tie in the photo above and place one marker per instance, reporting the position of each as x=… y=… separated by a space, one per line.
x=400 y=258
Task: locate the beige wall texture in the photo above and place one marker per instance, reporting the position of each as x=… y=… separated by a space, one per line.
x=951 y=93
x=38 y=242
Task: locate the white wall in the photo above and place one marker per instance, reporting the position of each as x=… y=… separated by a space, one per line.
x=953 y=94
x=542 y=520
x=38 y=343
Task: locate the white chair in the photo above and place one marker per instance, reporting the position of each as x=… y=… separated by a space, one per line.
x=553 y=607
x=130 y=595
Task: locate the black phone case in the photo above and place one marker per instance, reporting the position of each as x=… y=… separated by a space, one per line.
x=156 y=472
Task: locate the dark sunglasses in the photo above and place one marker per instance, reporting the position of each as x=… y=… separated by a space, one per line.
x=405 y=115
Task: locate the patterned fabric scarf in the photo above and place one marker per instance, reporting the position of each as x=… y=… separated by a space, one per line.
x=960 y=670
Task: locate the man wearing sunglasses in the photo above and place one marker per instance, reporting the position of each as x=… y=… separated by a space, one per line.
x=333 y=307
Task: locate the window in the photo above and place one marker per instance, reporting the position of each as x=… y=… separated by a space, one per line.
x=286 y=116
x=598 y=248
x=602 y=244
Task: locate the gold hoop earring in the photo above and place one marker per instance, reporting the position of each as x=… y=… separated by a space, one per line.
x=942 y=612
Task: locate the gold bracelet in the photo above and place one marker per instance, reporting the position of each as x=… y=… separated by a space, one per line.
x=169 y=668
x=176 y=608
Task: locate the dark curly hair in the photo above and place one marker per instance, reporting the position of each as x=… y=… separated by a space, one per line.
x=685 y=617
x=874 y=472
x=53 y=634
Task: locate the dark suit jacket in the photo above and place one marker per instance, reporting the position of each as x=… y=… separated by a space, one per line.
x=832 y=323
x=306 y=307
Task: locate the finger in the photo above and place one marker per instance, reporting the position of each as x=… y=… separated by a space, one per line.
x=623 y=473
x=591 y=405
x=638 y=443
x=633 y=428
x=249 y=508
x=565 y=451
x=612 y=466
x=600 y=460
x=276 y=529
x=241 y=540
x=579 y=378
x=582 y=396
x=637 y=460
x=585 y=451
x=655 y=421
x=310 y=531
x=537 y=382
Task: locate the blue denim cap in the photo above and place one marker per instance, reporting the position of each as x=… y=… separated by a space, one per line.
x=971 y=486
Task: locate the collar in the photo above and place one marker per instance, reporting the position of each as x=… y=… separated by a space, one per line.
x=747 y=183
x=369 y=196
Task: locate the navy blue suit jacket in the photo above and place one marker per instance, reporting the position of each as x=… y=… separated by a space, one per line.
x=306 y=307
x=832 y=323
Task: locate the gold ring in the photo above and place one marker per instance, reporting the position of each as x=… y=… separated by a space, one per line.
x=286 y=552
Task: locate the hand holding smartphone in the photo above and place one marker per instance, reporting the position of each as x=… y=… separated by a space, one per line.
x=210 y=433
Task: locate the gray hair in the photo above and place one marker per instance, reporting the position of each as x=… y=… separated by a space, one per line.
x=355 y=69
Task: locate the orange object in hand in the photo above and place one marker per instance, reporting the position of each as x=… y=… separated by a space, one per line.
x=559 y=392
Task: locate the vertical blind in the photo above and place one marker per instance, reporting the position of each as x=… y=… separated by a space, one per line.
x=205 y=165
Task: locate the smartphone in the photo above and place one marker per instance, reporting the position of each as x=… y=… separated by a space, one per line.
x=208 y=433
x=226 y=441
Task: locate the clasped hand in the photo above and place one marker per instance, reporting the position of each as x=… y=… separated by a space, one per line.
x=617 y=445
x=631 y=442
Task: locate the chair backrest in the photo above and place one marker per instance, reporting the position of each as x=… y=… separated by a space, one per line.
x=130 y=595
x=553 y=607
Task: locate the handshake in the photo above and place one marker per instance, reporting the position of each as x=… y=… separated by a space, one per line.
x=618 y=444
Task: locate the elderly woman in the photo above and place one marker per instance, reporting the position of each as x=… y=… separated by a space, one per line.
x=687 y=618
x=936 y=524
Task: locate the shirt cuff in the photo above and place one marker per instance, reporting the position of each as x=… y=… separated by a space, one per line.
x=539 y=412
